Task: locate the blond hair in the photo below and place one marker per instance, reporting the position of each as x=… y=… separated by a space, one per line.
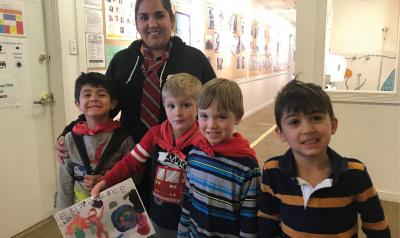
x=181 y=85
x=225 y=92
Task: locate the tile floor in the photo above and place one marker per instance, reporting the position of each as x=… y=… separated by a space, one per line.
x=252 y=128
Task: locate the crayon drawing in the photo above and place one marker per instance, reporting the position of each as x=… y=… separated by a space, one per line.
x=117 y=213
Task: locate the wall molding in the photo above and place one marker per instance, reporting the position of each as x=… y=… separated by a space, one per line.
x=369 y=97
x=259 y=77
x=389 y=196
x=258 y=108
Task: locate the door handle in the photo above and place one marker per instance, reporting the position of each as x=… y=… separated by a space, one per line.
x=43 y=58
x=46 y=98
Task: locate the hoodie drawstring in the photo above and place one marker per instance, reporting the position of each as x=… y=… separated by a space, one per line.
x=162 y=72
x=134 y=67
x=133 y=70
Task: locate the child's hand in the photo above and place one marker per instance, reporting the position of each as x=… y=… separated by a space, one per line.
x=61 y=150
x=90 y=180
x=100 y=186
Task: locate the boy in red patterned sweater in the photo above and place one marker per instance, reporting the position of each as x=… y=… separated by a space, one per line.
x=167 y=145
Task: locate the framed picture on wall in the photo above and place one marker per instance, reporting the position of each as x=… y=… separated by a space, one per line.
x=183 y=26
x=209 y=42
x=210 y=22
x=216 y=41
x=234 y=24
x=220 y=62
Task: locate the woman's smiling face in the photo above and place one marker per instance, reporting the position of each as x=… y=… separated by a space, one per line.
x=154 y=24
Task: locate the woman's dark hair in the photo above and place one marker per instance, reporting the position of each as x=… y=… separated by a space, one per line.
x=96 y=80
x=166 y=4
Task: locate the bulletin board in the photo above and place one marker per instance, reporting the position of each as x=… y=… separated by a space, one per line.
x=109 y=27
x=237 y=47
x=223 y=42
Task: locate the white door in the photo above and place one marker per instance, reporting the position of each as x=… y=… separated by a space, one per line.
x=27 y=176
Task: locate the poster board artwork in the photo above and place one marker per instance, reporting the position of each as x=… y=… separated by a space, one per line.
x=117 y=212
x=12 y=18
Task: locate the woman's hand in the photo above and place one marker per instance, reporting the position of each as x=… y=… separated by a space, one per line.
x=100 y=186
x=61 y=150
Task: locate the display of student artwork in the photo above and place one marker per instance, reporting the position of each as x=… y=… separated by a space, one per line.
x=237 y=45
x=240 y=47
x=117 y=212
x=120 y=19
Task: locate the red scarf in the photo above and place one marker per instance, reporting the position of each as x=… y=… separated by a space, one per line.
x=235 y=147
x=166 y=139
x=81 y=128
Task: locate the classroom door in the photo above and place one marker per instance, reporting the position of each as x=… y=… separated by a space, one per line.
x=27 y=175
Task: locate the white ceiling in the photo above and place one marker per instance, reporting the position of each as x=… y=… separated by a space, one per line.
x=284 y=8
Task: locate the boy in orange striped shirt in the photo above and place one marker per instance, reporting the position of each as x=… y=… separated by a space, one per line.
x=311 y=191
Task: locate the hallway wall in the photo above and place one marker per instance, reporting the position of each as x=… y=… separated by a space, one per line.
x=260 y=92
x=254 y=89
x=375 y=136
x=367 y=131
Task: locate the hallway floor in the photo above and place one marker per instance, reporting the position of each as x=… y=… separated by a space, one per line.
x=259 y=130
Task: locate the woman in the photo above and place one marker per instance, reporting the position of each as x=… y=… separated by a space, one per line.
x=155 y=56
x=155 y=22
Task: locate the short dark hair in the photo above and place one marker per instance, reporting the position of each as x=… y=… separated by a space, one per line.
x=297 y=96
x=96 y=80
x=166 y=4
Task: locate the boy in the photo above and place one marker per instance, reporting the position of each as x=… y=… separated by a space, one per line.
x=223 y=175
x=94 y=145
x=166 y=145
x=311 y=191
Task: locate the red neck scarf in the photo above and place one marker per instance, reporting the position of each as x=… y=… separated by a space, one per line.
x=166 y=139
x=81 y=128
x=235 y=147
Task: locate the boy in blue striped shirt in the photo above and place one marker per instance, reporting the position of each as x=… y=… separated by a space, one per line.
x=223 y=176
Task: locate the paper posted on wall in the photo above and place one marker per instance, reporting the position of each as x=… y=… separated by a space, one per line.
x=117 y=212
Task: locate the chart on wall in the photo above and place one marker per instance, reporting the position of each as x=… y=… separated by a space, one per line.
x=11 y=18
x=12 y=57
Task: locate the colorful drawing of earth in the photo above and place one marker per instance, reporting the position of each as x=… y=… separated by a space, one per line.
x=124 y=218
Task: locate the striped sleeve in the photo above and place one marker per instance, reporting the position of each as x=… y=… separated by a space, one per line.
x=373 y=219
x=183 y=227
x=220 y=197
x=142 y=151
x=248 y=212
x=268 y=203
x=132 y=163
